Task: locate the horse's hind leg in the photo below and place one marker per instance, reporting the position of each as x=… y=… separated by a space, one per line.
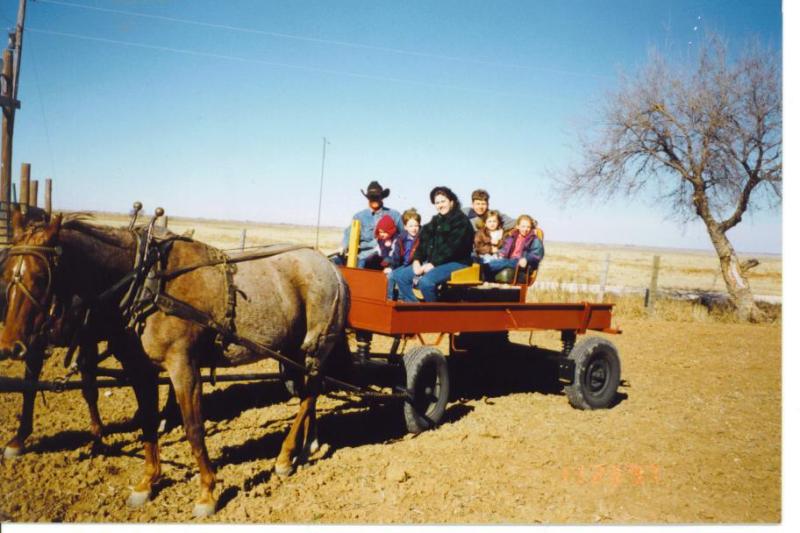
x=144 y=380
x=88 y=354
x=310 y=438
x=33 y=367
x=185 y=378
x=170 y=416
x=293 y=440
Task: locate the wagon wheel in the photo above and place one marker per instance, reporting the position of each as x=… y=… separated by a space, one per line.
x=428 y=382
x=597 y=374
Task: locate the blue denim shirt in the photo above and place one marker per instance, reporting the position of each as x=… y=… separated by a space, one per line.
x=367 y=242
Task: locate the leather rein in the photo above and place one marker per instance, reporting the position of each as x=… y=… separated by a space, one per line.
x=48 y=255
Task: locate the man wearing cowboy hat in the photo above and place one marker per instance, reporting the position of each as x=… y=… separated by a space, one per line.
x=369 y=217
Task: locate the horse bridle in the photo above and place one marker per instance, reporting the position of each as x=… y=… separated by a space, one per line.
x=49 y=256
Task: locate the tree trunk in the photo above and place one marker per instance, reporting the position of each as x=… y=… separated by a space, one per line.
x=735 y=280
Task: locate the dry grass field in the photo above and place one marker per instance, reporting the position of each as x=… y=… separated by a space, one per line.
x=565 y=262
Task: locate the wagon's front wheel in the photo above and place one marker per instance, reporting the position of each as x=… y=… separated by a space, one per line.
x=597 y=374
x=428 y=383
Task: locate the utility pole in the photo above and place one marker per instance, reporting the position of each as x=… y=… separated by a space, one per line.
x=12 y=58
x=325 y=143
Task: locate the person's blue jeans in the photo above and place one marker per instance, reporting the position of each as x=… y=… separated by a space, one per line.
x=404 y=278
x=496 y=265
x=391 y=283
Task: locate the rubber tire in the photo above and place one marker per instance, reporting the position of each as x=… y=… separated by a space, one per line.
x=426 y=375
x=594 y=356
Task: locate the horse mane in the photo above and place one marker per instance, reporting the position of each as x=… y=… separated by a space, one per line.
x=79 y=222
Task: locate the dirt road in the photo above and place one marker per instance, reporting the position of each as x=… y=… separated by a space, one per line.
x=695 y=437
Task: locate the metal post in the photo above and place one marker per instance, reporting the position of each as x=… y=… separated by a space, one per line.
x=48 y=195
x=654 y=283
x=244 y=237
x=34 y=199
x=604 y=277
x=321 y=177
x=24 y=186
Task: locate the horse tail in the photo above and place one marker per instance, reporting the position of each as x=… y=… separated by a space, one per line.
x=329 y=334
x=335 y=352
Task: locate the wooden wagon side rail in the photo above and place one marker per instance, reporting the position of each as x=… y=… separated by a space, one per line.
x=370 y=311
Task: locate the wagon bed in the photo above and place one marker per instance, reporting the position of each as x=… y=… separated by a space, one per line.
x=371 y=311
x=477 y=318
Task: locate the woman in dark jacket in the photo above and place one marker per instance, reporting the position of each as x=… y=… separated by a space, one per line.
x=445 y=245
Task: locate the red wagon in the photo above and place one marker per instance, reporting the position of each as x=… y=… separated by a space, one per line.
x=477 y=318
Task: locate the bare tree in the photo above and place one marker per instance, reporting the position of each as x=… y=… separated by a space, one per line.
x=704 y=140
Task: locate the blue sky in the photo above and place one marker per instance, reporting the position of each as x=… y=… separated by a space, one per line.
x=218 y=109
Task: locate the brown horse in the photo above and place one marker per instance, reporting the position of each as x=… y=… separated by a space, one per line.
x=294 y=303
x=58 y=332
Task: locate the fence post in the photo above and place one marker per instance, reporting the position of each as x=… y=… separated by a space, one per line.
x=34 y=199
x=48 y=195
x=24 y=186
x=650 y=302
x=244 y=237
x=604 y=277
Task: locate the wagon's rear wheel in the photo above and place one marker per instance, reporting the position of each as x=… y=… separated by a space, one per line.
x=597 y=374
x=428 y=382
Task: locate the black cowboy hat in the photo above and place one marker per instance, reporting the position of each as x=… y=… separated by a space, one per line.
x=375 y=191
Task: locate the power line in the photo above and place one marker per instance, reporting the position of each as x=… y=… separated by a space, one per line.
x=317 y=40
x=53 y=169
x=287 y=65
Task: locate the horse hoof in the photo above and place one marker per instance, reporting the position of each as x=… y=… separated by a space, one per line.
x=138 y=498
x=313 y=447
x=283 y=471
x=11 y=452
x=204 y=510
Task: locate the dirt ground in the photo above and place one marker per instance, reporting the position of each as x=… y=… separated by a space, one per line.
x=695 y=437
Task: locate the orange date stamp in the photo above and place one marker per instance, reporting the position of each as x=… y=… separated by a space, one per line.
x=613 y=474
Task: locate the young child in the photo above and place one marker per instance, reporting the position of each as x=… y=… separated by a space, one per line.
x=385 y=234
x=522 y=247
x=489 y=238
x=406 y=245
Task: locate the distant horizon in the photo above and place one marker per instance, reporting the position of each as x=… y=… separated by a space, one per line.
x=144 y=214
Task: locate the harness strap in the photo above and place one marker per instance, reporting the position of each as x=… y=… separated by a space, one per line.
x=172 y=274
x=41 y=253
x=172 y=306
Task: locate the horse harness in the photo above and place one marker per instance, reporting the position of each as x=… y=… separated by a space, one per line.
x=145 y=294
